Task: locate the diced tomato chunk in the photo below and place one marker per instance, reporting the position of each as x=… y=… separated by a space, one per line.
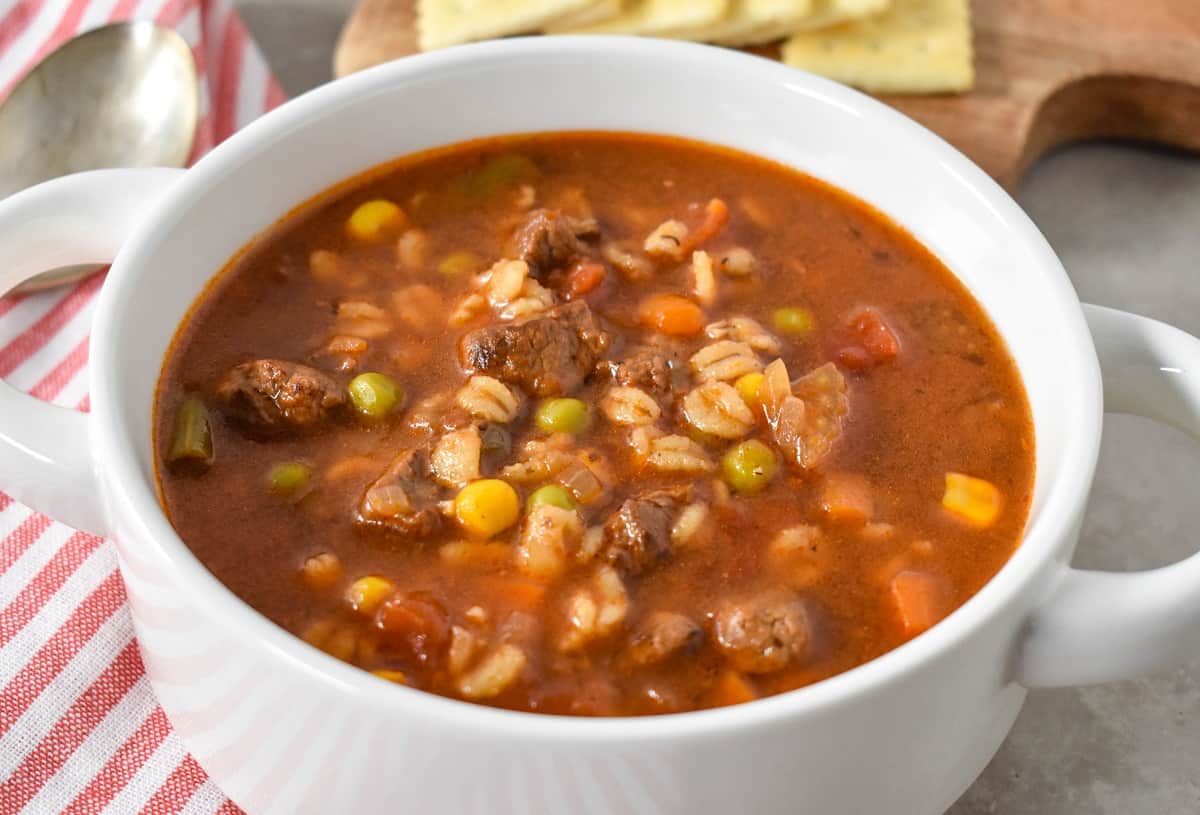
x=867 y=340
x=415 y=626
x=920 y=601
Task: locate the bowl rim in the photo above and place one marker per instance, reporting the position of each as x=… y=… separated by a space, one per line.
x=128 y=497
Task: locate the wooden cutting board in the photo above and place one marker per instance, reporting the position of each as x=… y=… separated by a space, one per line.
x=1047 y=72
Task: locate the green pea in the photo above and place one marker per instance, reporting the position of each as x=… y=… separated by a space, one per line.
x=749 y=466
x=550 y=495
x=457 y=264
x=192 y=440
x=289 y=478
x=500 y=172
x=793 y=320
x=375 y=395
x=563 y=416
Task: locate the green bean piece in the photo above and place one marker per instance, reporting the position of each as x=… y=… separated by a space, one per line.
x=563 y=416
x=457 y=264
x=500 y=172
x=749 y=466
x=550 y=495
x=289 y=478
x=793 y=320
x=375 y=395
x=192 y=440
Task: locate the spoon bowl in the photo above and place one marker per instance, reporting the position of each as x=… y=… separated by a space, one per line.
x=124 y=95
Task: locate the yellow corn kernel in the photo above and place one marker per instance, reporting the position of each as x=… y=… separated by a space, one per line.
x=367 y=593
x=321 y=572
x=973 y=499
x=370 y=220
x=337 y=641
x=487 y=507
x=748 y=386
x=392 y=676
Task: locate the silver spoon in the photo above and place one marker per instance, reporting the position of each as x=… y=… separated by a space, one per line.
x=124 y=95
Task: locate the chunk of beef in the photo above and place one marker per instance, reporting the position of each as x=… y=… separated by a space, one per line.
x=764 y=632
x=663 y=635
x=403 y=501
x=276 y=396
x=548 y=240
x=546 y=355
x=648 y=367
x=638 y=535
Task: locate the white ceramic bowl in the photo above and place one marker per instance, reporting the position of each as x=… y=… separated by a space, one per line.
x=283 y=728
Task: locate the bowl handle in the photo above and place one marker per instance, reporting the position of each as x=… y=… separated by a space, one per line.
x=45 y=452
x=1104 y=626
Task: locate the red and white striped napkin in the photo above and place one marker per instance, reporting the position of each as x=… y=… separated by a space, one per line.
x=80 y=730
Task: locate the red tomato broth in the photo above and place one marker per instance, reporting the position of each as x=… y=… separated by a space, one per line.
x=949 y=399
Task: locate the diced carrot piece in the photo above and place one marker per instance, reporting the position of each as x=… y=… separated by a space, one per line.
x=732 y=688
x=526 y=595
x=583 y=278
x=716 y=215
x=972 y=499
x=847 y=498
x=920 y=601
x=671 y=314
x=869 y=340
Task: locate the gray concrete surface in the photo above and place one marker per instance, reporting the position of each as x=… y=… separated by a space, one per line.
x=1126 y=222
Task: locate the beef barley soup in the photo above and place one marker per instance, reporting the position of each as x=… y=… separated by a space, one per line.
x=595 y=424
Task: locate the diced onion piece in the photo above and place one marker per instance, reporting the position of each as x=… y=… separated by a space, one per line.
x=579 y=480
x=972 y=499
x=386 y=501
